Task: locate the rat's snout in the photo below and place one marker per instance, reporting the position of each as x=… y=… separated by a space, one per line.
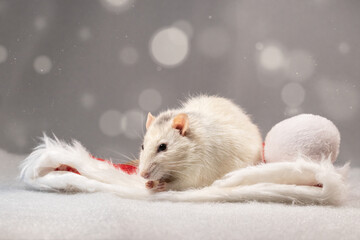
x=145 y=174
x=150 y=171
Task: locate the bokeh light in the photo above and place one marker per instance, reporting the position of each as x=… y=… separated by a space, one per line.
x=213 y=42
x=150 y=100
x=300 y=65
x=87 y=100
x=42 y=64
x=3 y=54
x=293 y=94
x=185 y=26
x=169 y=47
x=272 y=58
x=109 y=123
x=344 y=48
x=132 y=124
x=128 y=55
x=259 y=46
x=40 y=23
x=84 y=34
x=292 y=111
x=339 y=99
x=117 y=6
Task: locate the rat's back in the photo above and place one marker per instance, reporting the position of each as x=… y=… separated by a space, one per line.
x=226 y=136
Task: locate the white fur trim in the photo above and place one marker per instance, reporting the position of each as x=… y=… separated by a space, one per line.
x=290 y=182
x=311 y=135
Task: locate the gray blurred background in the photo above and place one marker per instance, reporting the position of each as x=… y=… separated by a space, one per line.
x=91 y=70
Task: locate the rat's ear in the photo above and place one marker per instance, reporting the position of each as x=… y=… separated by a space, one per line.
x=181 y=122
x=150 y=119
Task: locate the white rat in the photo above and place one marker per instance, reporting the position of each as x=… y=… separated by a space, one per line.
x=192 y=146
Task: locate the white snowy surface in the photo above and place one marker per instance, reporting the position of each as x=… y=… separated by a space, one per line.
x=26 y=214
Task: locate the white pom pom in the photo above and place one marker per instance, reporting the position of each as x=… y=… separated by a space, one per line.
x=312 y=136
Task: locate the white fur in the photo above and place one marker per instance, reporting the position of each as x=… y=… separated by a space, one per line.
x=311 y=135
x=220 y=139
x=277 y=182
x=37 y=170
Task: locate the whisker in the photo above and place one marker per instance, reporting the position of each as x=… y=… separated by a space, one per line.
x=184 y=164
x=121 y=154
x=133 y=156
x=139 y=136
x=181 y=173
x=155 y=171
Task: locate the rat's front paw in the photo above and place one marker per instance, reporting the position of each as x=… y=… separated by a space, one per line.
x=156 y=186
x=150 y=184
x=161 y=187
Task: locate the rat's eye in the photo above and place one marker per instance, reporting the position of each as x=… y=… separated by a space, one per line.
x=142 y=146
x=162 y=147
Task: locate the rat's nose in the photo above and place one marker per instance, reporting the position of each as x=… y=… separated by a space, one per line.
x=145 y=174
